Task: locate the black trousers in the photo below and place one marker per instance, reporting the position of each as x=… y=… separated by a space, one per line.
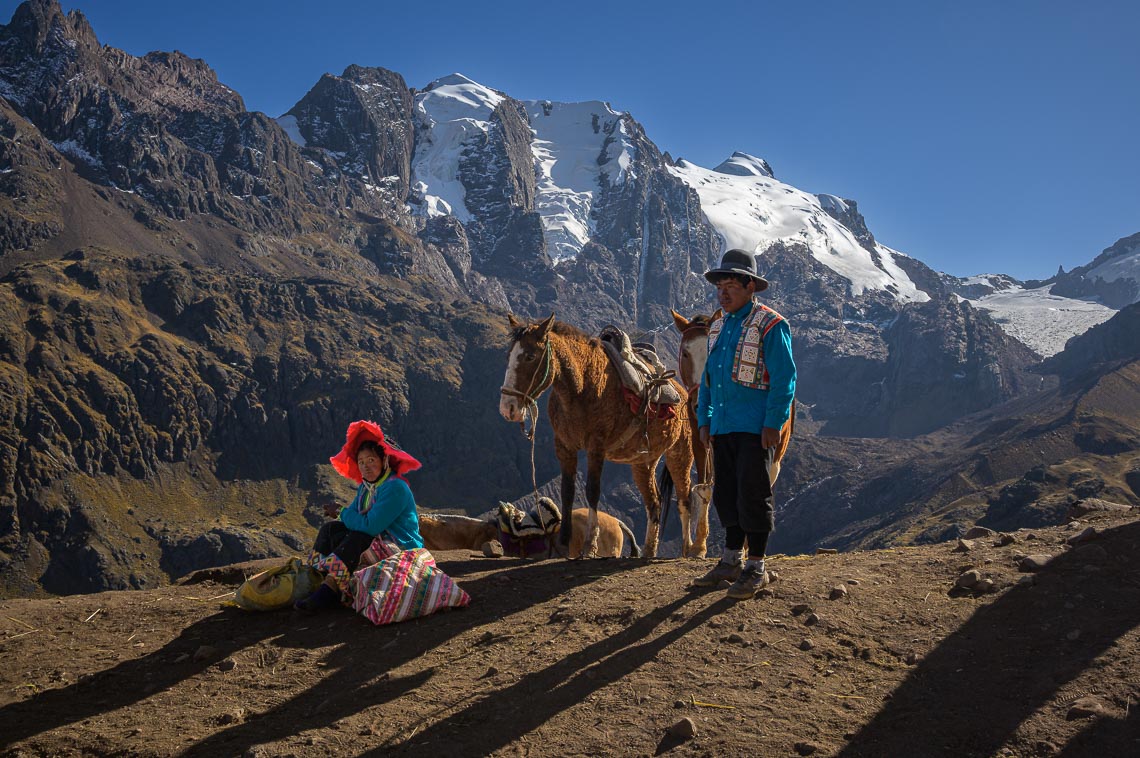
x=742 y=490
x=336 y=538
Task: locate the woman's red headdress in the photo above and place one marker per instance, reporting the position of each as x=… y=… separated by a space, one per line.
x=360 y=431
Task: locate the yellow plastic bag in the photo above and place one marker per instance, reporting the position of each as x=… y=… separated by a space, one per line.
x=278 y=587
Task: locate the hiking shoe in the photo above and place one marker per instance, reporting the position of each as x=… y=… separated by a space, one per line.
x=719 y=573
x=749 y=583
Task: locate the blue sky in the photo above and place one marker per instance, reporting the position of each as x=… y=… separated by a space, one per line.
x=977 y=136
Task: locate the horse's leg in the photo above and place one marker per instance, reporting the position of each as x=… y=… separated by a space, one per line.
x=643 y=478
x=679 y=461
x=595 y=460
x=568 y=460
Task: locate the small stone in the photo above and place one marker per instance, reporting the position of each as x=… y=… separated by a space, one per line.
x=491 y=671
x=806 y=644
x=742 y=627
x=493 y=549
x=229 y=664
x=1074 y=635
x=978 y=533
x=1034 y=562
x=765 y=593
x=684 y=729
x=1005 y=539
x=984 y=585
x=838 y=592
x=1084 y=708
x=735 y=639
x=800 y=608
x=679 y=703
x=805 y=748
x=233 y=717
x=826 y=551
x=773 y=576
x=204 y=652
x=911 y=658
x=1090 y=533
x=968 y=579
x=964 y=546
x=812 y=619
x=853 y=582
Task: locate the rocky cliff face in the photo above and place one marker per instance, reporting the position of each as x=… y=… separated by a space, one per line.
x=1113 y=277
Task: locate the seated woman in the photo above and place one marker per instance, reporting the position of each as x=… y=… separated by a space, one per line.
x=383 y=506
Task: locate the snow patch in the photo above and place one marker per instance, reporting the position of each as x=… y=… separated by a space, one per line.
x=1040 y=319
x=289 y=124
x=1125 y=266
x=577 y=147
x=75 y=150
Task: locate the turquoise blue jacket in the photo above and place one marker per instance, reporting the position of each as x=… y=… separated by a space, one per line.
x=393 y=510
x=724 y=405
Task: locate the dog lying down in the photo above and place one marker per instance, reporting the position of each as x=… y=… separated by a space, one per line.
x=514 y=529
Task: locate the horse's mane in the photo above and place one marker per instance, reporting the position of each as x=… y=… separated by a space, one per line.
x=560 y=328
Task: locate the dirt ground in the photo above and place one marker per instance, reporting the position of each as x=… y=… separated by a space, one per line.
x=603 y=657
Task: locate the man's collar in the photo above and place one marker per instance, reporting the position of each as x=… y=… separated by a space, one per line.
x=742 y=312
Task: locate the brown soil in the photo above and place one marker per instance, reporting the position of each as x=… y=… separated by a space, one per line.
x=603 y=657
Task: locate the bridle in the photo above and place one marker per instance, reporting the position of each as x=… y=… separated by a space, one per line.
x=530 y=398
x=533 y=391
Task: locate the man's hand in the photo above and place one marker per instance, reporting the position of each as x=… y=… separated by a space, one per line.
x=705 y=439
x=332 y=510
x=769 y=437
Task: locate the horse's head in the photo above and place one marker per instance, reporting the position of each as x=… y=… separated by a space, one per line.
x=694 y=349
x=529 y=368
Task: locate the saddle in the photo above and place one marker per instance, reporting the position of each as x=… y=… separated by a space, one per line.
x=642 y=373
x=526 y=534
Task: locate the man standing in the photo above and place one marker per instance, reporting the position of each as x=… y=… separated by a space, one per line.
x=745 y=398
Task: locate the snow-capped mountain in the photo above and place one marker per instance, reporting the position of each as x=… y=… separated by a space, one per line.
x=752 y=210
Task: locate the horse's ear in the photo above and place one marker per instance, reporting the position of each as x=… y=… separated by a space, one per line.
x=719 y=314
x=680 y=321
x=514 y=322
x=545 y=327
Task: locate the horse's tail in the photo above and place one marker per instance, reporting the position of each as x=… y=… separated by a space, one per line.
x=634 y=550
x=665 y=494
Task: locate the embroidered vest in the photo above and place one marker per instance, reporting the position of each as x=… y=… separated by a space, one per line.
x=748 y=362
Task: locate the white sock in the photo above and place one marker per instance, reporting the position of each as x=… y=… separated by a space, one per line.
x=732 y=557
x=757 y=563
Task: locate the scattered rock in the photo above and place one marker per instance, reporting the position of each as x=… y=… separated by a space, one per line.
x=204 y=652
x=978 y=533
x=805 y=748
x=773 y=576
x=684 y=729
x=812 y=619
x=735 y=639
x=1091 y=505
x=838 y=592
x=826 y=551
x=853 y=582
x=491 y=671
x=1034 y=562
x=765 y=592
x=1004 y=539
x=800 y=608
x=233 y=717
x=1084 y=708
x=229 y=664
x=968 y=579
x=1089 y=533
x=964 y=546
x=911 y=658
x=679 y=703
x=493 y=549
x=806 y=644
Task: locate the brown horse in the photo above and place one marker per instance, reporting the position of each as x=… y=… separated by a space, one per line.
x=588 y=411
x=691 y=359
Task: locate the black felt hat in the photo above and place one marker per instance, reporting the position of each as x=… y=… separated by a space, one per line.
x=738 y=262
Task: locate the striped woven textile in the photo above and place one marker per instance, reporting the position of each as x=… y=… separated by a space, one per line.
x=404 y=586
